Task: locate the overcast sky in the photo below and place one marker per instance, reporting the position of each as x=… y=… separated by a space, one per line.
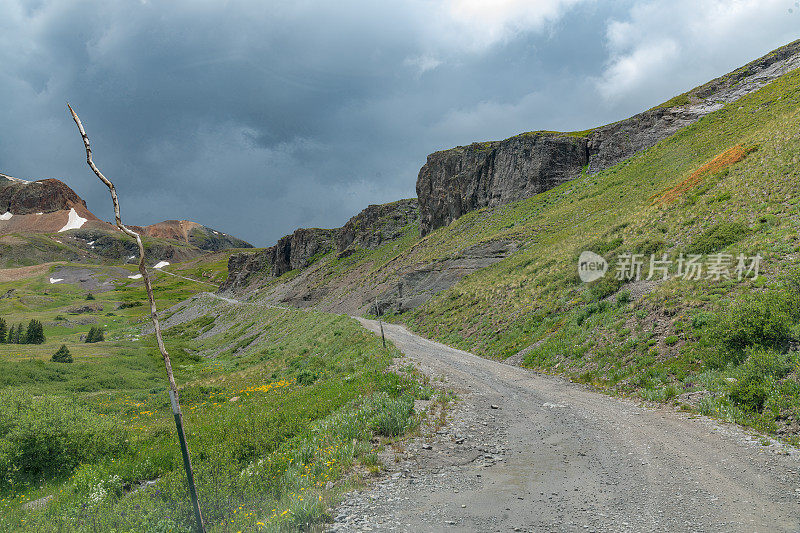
x=258 y=117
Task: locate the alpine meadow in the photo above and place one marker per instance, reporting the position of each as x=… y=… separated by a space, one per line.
x=590 y=330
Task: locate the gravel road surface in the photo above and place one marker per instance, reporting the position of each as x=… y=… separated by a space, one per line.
x=527 y=452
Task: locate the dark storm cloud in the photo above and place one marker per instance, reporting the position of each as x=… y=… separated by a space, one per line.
x=259 y=117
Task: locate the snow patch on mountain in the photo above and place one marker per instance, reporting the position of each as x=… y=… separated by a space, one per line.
x=161 y=264
x=75 y=221
x=6 y=176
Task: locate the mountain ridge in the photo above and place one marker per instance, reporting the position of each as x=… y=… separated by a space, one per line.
x=464 y=179
x=455 y=181
x=373 y=226
x=49 y=206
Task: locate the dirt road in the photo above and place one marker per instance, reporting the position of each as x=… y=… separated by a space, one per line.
x=527 y=452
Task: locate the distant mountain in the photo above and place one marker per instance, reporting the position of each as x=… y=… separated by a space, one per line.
x=192 y=233
x=45 y=220
x=44 y=206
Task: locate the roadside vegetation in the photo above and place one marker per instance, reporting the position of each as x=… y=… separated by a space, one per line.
x=284 y=411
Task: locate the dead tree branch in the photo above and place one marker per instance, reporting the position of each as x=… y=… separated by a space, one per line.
x=173 y=389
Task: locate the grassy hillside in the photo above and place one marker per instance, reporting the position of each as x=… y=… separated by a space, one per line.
x=284 y=409
x=728 y=183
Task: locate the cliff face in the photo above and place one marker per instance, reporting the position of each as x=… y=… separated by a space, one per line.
x=298 y=249
x=241 y=267
x=375 y=225
x=369 y=229
x=291 y=252
x=608 y=145
x=456 y=181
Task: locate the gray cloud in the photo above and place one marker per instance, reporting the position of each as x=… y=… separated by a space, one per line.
x=259 y=117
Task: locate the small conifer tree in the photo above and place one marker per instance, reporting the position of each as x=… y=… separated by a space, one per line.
x=62 y=355
x=95 y=334
x=35 y=333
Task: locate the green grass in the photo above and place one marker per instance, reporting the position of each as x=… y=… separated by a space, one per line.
x=210 y=267
x=676 y=101
x=277 y=404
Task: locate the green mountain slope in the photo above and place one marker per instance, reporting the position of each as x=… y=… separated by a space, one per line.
x=664 y=340
x=728 y=182
x=619 y=208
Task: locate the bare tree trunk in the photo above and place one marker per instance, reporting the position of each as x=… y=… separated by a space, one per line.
x=173 y=389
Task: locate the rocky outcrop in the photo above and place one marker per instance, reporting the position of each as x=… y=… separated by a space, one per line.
x=243 y=267
x=301 y=247
x=291 y=252
x=456 y=181
x=375 y=225
x=460 y=180
x=608 y=145
x=416 y=287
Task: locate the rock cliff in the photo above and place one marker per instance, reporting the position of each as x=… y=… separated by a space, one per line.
x=375 y=225
x=460 y=180
x=454 y=182
x=369 y=229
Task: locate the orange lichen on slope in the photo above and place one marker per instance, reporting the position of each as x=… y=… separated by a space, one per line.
x=723 y=160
